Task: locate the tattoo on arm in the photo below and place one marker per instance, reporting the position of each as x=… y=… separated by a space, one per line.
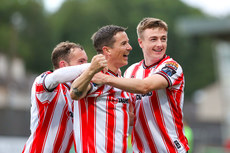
x=76 y=92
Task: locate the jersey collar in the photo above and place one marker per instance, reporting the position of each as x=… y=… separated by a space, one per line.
x=155 y=64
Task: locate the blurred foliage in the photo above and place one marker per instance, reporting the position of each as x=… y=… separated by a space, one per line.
x=27 y=30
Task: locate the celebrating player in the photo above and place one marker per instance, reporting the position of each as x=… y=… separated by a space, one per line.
x=102 y=121
x=51 y=112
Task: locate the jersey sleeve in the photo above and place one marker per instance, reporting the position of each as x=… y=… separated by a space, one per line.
x=172 y=72
x=40 y=91
x=65 y=74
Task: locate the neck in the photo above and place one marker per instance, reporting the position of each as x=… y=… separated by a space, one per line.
x=113 y=69
x=150 y=61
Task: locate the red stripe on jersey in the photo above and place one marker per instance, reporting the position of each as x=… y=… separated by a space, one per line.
x=179 y=80
x=164 y=59
x=135 y=136
x=45 y=118
x=47 y=121
x=177 y=113
x=146 y=130
x=156 y=109
x=124 y=109
x=61 y=130
x=137 y=139
x=70 y=144
x=64 y=121
x=91 y=124
x=84 y=124
x=40 y=88
x=75 y=148
x=133 y=75
x=110 y=122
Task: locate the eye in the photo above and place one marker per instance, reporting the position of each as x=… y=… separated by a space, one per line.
x=124 y=43
x=82 y=61
x=153 y=39
x=164 y=39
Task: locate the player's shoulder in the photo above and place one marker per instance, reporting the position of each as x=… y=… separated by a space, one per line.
x=171 y=62
x=137 y=64
x=133 y=68
x=43 y=75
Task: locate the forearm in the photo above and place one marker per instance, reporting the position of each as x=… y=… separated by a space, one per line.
x=65 y=74
x=81 y=86
x=133 y=85
x=127 y=84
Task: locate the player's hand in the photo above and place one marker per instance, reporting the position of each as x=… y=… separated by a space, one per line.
x=99 y=78
x=98 y=63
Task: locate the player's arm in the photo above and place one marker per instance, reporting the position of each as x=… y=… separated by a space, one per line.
x=81 y=85
x=133 y=85
x=65 y=74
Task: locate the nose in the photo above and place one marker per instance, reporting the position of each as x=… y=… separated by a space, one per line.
x=129 y=47
x=159 y=43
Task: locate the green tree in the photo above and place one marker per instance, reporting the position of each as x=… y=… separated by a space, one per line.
x=30 y=32
x=26 y=33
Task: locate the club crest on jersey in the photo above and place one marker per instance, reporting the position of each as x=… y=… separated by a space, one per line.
x=138 y=97
x=170 y=68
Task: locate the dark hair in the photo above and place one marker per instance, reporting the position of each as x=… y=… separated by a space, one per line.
x=62 y=51
x=104 y=36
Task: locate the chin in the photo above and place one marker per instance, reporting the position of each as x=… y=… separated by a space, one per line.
x=123 y=64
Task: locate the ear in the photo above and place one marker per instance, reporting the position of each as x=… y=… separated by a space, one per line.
x=62 y=63
x=139 y=42
x=106 y=50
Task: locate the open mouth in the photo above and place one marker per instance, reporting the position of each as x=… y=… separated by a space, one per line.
x=157 y=50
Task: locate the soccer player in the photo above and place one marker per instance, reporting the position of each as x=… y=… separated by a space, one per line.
x=158 y=82
x=101 y=124
x=51 y=112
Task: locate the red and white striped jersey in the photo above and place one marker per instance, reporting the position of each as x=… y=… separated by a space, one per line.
x=51 y=122
x=101 y=120
x=158 y=125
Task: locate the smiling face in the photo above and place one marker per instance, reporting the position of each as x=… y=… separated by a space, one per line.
x=153 y=43
x=117 y=55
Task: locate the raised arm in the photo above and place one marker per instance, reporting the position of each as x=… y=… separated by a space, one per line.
x=65 y=74
x=81 y=86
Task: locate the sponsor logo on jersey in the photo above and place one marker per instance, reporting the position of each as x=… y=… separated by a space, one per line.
x=138 y=97
x=120 y=100
x=177 y=144
x=123 y=100
x=170 y=68
x=172 y=64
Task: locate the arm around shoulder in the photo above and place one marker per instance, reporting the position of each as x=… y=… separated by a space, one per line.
x=81 y=85
x=134 y=85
